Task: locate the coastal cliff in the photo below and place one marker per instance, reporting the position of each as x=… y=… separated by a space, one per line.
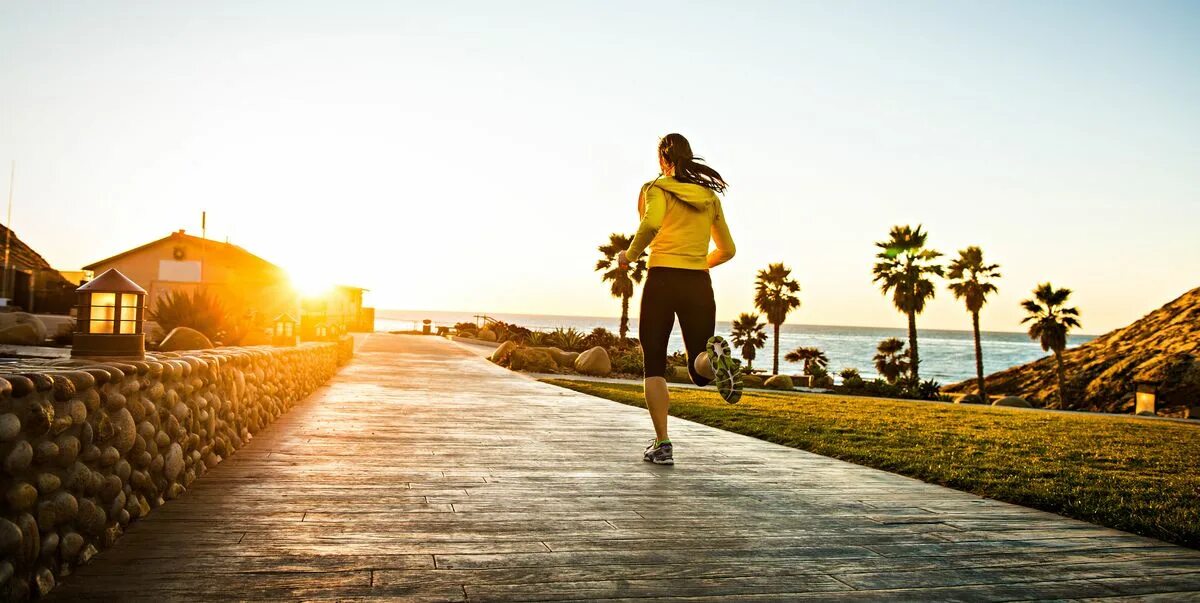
x=1163 y=346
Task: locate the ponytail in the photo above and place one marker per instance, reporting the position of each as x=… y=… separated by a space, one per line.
x=677 y=151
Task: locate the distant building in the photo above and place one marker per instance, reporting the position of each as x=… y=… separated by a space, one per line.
x=244 y=282
x=341 y=305
x=27 y=280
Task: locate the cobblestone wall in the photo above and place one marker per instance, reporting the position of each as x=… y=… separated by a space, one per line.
x=86 y=448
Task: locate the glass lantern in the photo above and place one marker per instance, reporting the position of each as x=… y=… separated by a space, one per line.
x=109 y=314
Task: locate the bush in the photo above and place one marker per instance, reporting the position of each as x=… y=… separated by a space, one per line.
x=677 y=359
x=203 y=312
x=627 y=361
x=466 y=328
x=851 y=379
x=570 y=340
x=820 y=376
x=600 y=336
x=537 y=339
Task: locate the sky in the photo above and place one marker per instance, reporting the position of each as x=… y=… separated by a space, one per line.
x=472 y=155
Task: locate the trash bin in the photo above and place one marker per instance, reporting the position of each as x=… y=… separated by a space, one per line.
x=426 y=327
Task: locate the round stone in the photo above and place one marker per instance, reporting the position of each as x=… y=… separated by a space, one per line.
x=10 y=427
x=47 y=483
x=76 y=476
x=162 y=439
x=10 y=538
x=121 y=469
x=91 y=517
x=77 y=410
x=109 y=456
x=68 y=449
x=44 y=581
x=45 y=452
x=31 y=542
x=71 y=544
x=126 y=429
x=21 y=496
x=50 y=544
x=114 y=401
x=86 y=435
x=40 y=418
x=19 y=459
x=173 y=464
x=59 y=508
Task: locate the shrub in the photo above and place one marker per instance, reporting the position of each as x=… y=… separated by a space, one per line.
x=820 y=376
x=600 y=336
x=679 y=358
x=570 y=339
x=851 y=379
x=203 y=312
x=627 y=361
x=466 y=328
x=536 y=339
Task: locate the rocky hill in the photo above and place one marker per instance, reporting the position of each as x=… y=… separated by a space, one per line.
x=1163 y=346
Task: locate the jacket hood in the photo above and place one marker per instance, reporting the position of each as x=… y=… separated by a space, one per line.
x=695 y=195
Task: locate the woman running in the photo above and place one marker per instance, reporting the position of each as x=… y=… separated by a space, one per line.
x=680 y=213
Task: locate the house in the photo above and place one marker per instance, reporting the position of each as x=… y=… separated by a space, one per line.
x=28 y=281
x=244 y=282
x=342 y=305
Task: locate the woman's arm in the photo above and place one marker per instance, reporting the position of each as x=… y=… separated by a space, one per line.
x=724 y=241
x=654 y=208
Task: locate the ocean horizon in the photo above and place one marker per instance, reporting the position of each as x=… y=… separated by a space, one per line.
x=947 y=355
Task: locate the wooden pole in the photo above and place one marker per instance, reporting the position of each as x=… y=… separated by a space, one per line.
x=8 y=229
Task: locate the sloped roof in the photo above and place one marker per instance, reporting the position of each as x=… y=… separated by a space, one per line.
x=22 y=255
x=180 y=236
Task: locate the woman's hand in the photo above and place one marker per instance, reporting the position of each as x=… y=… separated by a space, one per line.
x=623 y=261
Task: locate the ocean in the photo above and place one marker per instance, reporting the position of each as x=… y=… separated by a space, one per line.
x=946 y=356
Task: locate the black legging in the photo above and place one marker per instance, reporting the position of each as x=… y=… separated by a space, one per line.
x=669 y=292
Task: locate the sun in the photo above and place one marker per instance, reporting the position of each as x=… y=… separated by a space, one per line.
x=309 y=284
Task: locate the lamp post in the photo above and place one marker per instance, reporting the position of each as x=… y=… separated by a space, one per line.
x=285 y=331
x=109 y=315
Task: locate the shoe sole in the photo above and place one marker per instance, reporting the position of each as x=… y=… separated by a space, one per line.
x=727 y=369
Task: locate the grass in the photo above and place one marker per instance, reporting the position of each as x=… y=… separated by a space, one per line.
x=1136 y=475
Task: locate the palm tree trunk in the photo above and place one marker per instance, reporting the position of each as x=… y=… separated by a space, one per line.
x=1062 y=400
x=914 y=359
x=775 y=370
x=624 y=316
x=979 y=359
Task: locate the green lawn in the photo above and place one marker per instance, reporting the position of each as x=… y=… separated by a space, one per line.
x=1136 y=475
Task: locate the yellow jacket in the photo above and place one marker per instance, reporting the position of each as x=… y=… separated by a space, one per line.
x=678 y=220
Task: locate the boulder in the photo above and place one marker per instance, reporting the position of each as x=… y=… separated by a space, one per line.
x=594 y=362
x=57 y=326
x=563 y=359
x=500 y=356
x=184 y=338
x=678 y=374
x=22 y=334
x=486 y=335
x=752 y=381
x=970 y=399
x=532 y=360
x=778 y=382
x=1012 y=402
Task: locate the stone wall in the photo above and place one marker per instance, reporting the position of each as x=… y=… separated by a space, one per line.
x=86 y=448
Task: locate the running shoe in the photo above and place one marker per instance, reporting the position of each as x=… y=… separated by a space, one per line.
x=728 y=369
x=659 y=454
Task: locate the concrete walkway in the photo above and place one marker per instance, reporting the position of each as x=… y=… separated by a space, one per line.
x=423 y=472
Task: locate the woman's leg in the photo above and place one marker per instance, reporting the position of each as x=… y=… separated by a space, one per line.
x=654 y=330
x=698 y=321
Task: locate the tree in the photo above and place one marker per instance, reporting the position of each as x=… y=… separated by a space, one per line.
x=890 y=361
x=904 y=268
x=775 y=295
x=1049 y=322
x=749 y=335
x=811 y=357
x=971 y=282
x=622 y=279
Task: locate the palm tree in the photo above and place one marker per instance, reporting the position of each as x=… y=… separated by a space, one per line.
x=748 y=334
x=1049 y=324
x=971 y=283
x=775 y=295
x=811 y=357
x=623 y=279
x=889 y=359
x=904 y=268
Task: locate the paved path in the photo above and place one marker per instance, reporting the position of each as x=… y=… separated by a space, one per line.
x=424 y=472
